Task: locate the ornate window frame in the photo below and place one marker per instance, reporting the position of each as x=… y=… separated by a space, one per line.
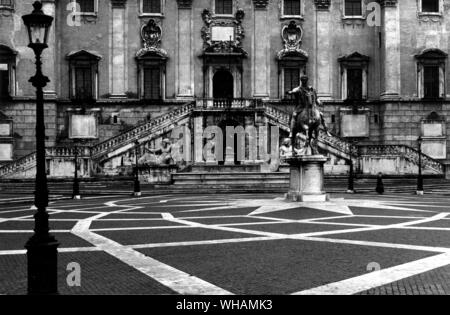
x=89 y=13
x=354 y=61
x=151 y=55
x=87 y=58
x=291 y=56
x=431 y=56
x=234 y=10
x=8 y=56
x=354 y=17
x=302 y=11
x=143 y=14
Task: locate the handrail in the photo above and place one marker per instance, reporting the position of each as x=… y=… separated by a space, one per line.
x=25 y=160
x=409 y=153
x=228 y=103
x=136 y=132
x=355 y=151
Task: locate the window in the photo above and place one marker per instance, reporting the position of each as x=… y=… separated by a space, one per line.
x=4 y=81
x=431 y=73
x=224 y=7
x=152 y=83
x=353 y=8
x=292 y=7
x=7 y=72
x=354 y=72
x=87 y=6
x=354 y=84
x=151 y=6
x=430 y=6
x=83 y=83
x=431 y=81
x=83 y=75
x=7 y=4
x=291 y=79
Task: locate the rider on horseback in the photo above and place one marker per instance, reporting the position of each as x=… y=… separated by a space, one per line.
x=307 y=96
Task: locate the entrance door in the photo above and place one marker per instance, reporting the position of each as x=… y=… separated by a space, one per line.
x=223 y=87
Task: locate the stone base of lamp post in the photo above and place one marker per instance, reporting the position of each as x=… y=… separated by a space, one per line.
x=42 y=257
x=307 y=179
x=137 y=184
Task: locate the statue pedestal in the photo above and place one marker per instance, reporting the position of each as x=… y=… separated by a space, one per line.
x=307 y=179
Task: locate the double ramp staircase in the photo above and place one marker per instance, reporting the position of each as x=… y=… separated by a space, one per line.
x=231 y=178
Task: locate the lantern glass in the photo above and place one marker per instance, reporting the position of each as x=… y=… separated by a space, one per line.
x=38 y=34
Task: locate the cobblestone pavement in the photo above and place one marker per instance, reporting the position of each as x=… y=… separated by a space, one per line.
x=239 y=244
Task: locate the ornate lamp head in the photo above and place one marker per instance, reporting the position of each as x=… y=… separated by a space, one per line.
x=38 y=26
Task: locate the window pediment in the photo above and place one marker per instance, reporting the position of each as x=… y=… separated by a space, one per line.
x=431 y=54
x=7 y=52
x=84 y=55
x=354 y=58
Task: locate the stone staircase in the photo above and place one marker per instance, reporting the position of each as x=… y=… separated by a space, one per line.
x=162 y=125
x=25 y=166
x=143 y=133
x=343 y=149
x=241 y=178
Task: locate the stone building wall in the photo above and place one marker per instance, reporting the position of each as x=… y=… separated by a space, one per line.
x=326 y=37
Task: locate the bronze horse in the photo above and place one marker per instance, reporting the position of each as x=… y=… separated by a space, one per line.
x=308 y=120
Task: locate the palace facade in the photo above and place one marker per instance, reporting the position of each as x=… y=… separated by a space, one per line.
x=380 y=68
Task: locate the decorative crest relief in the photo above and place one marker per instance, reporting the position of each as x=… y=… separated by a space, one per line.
x=223 y=36
x=292 y=35
x=151 y=34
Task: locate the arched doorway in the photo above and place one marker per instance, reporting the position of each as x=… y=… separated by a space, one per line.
x=223 y=85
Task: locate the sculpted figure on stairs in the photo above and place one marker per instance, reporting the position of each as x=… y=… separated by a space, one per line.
x=160 y=156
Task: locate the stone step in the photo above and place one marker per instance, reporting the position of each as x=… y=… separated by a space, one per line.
x=244 y=179
x=225 y=168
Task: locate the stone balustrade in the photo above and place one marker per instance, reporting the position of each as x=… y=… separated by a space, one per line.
x=212 y=103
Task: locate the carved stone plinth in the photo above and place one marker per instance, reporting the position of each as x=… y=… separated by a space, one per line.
x=307 y=179
x=157 y=174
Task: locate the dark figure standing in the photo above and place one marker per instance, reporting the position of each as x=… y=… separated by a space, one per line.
x=380 y=185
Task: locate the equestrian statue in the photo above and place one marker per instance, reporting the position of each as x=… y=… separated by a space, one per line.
x=306 y=118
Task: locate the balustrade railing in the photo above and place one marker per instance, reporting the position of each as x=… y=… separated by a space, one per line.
x=133 y=134
x=28 y=160
x=228 y=103
x=407 y=152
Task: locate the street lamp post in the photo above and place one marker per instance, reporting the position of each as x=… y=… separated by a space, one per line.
x=351 y=185
x=76 y=184
x=137 y=184
x=351 y=175
x=42 y=252
x=420 y=177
